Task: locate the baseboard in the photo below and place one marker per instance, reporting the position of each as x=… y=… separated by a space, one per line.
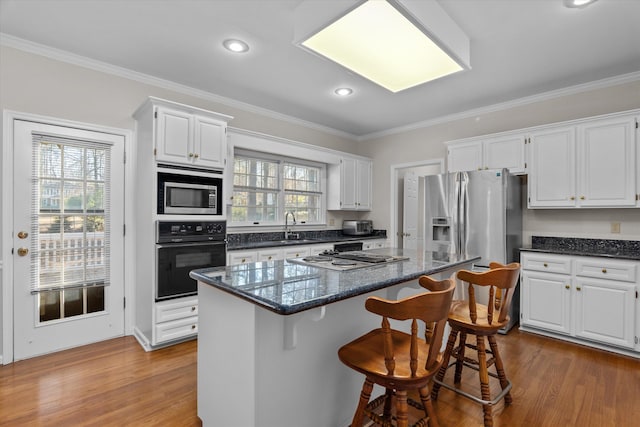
x=142 y=339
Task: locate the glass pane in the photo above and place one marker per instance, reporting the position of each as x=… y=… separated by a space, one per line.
x=95 y=164
x=73 y=302
x=73 y=265
x=50 y=160
x=73 y=162
x=73 y=192
x=95 y=197
x=95 y=299
x=73 y=225
x=50 y=191
x=49 y=303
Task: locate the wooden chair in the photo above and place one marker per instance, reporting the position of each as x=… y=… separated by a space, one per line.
x=399 y=361
x=471 y=318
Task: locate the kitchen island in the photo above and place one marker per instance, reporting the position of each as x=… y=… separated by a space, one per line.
x=269 y=333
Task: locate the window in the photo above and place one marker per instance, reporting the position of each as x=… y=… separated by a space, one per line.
x=266 y=187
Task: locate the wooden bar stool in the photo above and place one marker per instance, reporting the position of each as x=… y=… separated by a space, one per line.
x=399 y=361
x=471 y=318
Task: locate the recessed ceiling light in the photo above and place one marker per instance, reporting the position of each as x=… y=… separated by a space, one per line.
x=343 y=91
x=397 y=44
x=578 y=3
x=234 y=45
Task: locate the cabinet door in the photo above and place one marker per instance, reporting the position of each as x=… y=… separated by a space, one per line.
x=466 y=156
x=173 y=137
x=241 y=257
x=605 y=311
x=505 y=152
x=271 y=254
x=545 y=301
x=296 y=252
x=363 y=197
x=637 y=143
x=348 y=181
x=210 y=148
x=552 y=170
x=606 y=162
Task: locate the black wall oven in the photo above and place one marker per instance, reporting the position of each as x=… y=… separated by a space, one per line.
x=182 y=246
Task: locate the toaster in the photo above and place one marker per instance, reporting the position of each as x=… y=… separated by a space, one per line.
x=357 y=227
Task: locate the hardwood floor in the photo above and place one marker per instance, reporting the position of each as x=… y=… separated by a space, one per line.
x=116 y=383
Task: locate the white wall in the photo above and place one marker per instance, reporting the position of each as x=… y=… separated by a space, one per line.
x=428 y=143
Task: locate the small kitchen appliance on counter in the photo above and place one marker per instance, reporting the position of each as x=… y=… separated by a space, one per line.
x=357 y=227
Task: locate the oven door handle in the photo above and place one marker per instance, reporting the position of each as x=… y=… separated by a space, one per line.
x=189 y=244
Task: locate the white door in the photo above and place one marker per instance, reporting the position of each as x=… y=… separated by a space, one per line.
x=68 y=247
x=410 y=212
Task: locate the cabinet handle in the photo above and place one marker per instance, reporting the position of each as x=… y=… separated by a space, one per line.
x=193 y=309
x=193 y=327
x=567 y=287
x=582 y=197
x=243 y=260
x=269 y=258
x=196 y=155
x=578 y=288
x=190 y=154
x=572 y=198
x=479 y=169
x=486 y=167
x=545 y=264
x=604 y=270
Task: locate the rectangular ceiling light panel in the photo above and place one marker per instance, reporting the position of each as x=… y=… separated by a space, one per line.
x=381 y=44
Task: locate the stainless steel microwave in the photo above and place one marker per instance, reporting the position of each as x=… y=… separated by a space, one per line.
x=189 y=193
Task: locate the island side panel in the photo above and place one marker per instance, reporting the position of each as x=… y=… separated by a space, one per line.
x=226 y=359
x=308 y=386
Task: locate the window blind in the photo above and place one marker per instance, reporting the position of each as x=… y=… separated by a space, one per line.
x=70 y=213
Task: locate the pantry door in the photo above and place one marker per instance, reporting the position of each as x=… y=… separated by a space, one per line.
x=68 y=245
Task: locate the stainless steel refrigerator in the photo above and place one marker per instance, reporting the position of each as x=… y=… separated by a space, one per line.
x=476 y=213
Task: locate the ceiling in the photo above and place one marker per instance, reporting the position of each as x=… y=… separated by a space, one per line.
x=519 y=48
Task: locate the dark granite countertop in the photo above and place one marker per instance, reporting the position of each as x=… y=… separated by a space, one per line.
x=621 y=249
x=286 y=288
x=247 y=241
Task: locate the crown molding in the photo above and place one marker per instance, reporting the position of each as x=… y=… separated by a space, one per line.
x=545 y=96
x=82 y=61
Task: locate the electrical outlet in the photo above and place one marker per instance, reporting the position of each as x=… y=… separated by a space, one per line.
x=332 y=221
x=615 y=227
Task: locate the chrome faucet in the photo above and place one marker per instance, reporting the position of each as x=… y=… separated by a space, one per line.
x=287 y=232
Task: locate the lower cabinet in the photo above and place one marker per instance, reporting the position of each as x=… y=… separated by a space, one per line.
x=175 y=319
x=588 y=299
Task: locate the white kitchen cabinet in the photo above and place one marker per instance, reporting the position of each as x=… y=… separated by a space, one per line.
x=584 y=166
x=585 y=299
x=296 y=252
x=349 y=185
x=374 y=244
x=175 y=319
x=188 y=139
x=506 y=151
x=241 y=257
x=637 y=137
x=606 y=162
x=270 y=254
x=552 y=168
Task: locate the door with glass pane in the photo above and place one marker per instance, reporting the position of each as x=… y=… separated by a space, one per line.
x=68 y=254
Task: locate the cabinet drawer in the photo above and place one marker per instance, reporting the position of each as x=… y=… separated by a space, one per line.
x=548 y=263
x=176 y=309
x=177 y=329
x=605 y=269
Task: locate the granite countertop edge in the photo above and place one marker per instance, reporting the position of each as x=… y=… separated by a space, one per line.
x=293 y=242
x=575 y=252
x=298 y=308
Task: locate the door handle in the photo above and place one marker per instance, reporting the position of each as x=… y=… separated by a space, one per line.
x=23 y=235
x=23 y=251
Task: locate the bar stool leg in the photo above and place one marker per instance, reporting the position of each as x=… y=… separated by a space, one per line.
x=445 y=363
x=402 y=408
x=484 y=380
x=387 y=404
x=365 y=394
x=460 y=357
x=428 y=407
x=500 y=368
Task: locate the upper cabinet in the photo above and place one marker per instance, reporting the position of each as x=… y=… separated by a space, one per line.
x=190 y=139
x=350 y=185
x=506 y=151
x=184 y=135
x=591 y=164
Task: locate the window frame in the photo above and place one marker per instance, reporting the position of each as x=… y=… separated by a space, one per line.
x=280 y=210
